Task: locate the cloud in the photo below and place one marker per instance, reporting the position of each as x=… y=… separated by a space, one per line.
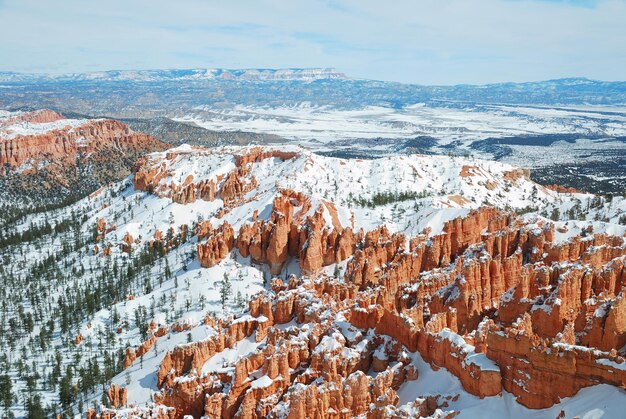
x=431 y=41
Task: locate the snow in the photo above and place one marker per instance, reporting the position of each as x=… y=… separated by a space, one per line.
x=15 y=128
x=612 y=364
x=328 y=124
x=441 y=194
x=600 y=401
x=225 y=360
x=472 y=357
x=262 y=382
x=566 y=230
x=193 y=291
x=141 y=379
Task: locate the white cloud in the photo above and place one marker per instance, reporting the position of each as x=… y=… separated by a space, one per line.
x=431 y=41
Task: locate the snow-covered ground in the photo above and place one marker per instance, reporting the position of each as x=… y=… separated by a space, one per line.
x=601 y=401
x=447 y=124
x=10 y=129
x=440 y=188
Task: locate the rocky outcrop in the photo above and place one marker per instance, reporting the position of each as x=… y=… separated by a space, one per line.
x=308 y=238
x=502 y=302
x=231 y=187
x=64 y=144
x=152 y=411
x=47 y=159
x=219 y=244
x=492 y=299
x=540 y=373
x=117 y=396
x=258 y=154
x=35 y=117
x=131 y=355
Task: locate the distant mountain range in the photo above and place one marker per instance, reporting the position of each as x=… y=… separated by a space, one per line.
x=157 y=93
x=250 y=74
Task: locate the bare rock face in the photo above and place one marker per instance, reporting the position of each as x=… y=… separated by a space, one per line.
x=468 y=300
x=129 y=358
x=46 y=158
x=315 y=244
x=117 y=396
x=64 y=144
x=540 y=374
x=221 y=241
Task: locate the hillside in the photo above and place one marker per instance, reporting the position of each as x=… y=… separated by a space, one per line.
x=275 y=281
x=48 y=160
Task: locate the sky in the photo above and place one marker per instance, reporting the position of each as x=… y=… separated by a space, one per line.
x=411 y=41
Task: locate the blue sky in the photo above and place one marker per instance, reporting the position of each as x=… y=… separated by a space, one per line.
x=427 y=41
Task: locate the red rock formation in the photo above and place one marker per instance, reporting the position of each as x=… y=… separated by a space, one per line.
x=64 y=144
x=36 y=117
x=285 y=235
x=127 y=243
x=236 y=185
x=129 y=358
x=491 y=299
x=219 y=244
x=562 y=189
x=107 y=250
x=540 y=374
x=149 y=173
x=258 y=154
x=152 y=411
x=117 y=396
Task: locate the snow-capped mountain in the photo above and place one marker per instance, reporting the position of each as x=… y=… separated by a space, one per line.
x=252 y=74
x=268 y=282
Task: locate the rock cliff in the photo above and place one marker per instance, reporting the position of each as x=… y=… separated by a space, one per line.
x=46 y=157
x=493 y=299
x=353 y=309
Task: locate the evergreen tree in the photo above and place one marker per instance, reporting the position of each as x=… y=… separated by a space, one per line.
x=34 y=408
x=6 y=394
x=225 y=290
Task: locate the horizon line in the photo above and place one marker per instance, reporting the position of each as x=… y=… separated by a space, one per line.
x=327 y=69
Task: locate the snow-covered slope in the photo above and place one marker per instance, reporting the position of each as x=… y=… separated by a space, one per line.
x=435 y=188
x=111 y=269
x=17 y=123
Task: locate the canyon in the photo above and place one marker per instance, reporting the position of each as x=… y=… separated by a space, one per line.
x=506 y=303
x=274 y=281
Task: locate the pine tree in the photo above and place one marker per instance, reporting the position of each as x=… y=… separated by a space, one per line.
x=240 y=302
x=34 y=408
x=225 y=290
x=555 y=215
x=65 y=391
x=6 y=395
